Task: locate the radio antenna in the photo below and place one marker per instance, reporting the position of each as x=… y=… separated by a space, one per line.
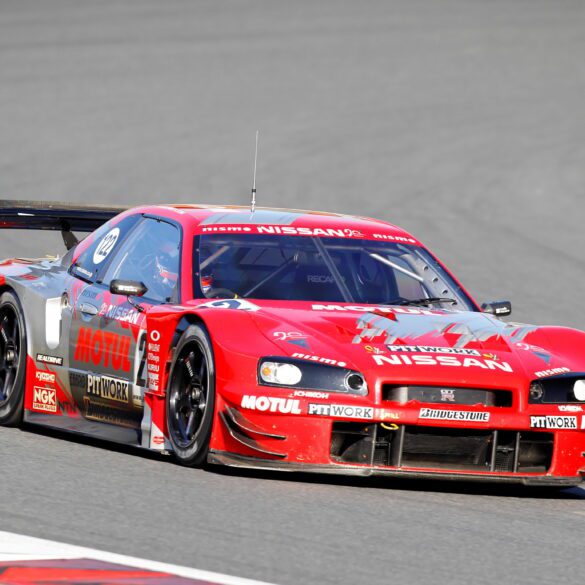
x=253 y=205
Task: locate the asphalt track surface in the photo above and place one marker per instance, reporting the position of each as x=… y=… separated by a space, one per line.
x=461 y=121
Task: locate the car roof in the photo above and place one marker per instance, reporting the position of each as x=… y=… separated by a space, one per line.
x=218 y=218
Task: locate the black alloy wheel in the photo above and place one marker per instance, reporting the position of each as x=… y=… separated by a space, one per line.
x=12 y=360
x=191 y=397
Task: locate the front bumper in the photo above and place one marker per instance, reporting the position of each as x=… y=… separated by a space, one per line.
x=504 y=449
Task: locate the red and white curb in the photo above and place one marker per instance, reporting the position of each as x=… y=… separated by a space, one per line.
x=39 y=559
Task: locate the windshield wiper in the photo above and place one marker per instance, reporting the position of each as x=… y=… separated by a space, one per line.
x=422 y=302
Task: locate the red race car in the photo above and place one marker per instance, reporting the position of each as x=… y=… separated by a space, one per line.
x=281 y=339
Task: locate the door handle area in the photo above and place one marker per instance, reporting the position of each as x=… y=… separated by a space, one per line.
x=88 y=309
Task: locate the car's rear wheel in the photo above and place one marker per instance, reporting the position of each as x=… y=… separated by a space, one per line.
x=191 y=397
x=12 y=360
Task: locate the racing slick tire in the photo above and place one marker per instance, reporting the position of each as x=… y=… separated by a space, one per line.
x=12 y=359
x=191 y=397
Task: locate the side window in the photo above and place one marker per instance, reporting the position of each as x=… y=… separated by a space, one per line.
x=150 y=255
x=103 y=242
x=408 y=287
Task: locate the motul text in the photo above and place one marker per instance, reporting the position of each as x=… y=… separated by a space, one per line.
x=103 y=348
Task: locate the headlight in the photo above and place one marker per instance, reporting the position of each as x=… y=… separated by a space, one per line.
x=296 y=373
x=579 y=389
x=560 y=389
x=536 y=392
x=355 y=383
x=281 y=374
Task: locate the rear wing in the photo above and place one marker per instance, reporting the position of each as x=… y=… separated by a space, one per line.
x=53 y=215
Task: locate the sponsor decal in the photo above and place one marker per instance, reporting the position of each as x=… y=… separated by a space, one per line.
x=454 y=415
x=89 y=293
x=239 y=304
x=49 y=359
x=441 y=360
x=105 y=413
x=311 y=394
x=288 y=335
x=271 y=404
x=67 y=407
x=539 y=352
x=391 y=238
x=119 y=313
x=45 y=377
x=84 y=272
x=431 y=349
x=388 y=415
x=107 y=388
x=78 y=379
x=153 y=357
x=320 y=279
x=102 y=348
x=553 y=422
x=341 y=411
x=570 y=408
x=319 y=360
x=285 y=231
x=447 y=395
x=106 y=246
x=44 y=399
x=137 y=396
x=227 y=228
x=552 y=372
x=373 y=349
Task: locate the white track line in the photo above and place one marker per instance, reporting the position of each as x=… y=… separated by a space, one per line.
x=16 y=547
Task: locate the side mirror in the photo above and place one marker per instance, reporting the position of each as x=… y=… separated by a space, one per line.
x=130 y=288
x=497 y=308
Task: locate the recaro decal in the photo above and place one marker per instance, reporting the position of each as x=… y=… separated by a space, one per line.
x=106 y=246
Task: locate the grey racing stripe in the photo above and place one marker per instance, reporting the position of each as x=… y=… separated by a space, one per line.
x=261 y=216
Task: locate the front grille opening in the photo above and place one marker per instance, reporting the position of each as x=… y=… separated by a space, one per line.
x=442 y=448
x=352 y=442
x=535 y=452
x=504 y=457
x=446 y=448
x=447 y=395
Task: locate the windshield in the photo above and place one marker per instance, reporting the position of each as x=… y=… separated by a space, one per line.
x=300 y=268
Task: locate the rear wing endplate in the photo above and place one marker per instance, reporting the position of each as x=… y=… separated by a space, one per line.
x=53 y=215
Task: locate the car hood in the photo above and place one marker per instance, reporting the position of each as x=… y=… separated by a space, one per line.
x=410 y=344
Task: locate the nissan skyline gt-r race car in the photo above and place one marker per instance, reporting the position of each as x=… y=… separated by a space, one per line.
x=281 y=339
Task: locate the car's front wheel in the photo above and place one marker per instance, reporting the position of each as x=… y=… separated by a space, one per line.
x=191 y=397
x=12 y=359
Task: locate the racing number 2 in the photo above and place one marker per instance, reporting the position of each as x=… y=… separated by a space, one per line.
x=140 y=367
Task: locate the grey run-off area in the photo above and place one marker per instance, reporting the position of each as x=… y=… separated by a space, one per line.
x=460 y=120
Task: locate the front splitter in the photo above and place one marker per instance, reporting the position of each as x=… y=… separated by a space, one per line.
x=234 y=460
